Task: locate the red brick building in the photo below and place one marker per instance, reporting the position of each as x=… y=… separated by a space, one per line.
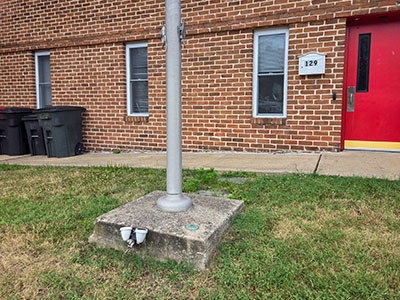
x=241 y=87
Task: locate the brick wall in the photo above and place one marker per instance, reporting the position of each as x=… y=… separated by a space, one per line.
x=86 y=42
x=17 y=79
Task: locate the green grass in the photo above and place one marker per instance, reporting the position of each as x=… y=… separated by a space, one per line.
x=298 y=237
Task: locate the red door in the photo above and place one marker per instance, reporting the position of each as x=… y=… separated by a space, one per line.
x=372 y=107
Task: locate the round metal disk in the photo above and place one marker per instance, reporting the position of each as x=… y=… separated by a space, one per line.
x=192 y=227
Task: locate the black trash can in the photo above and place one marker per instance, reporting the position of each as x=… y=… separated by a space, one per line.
x=13 y=140
x=35 y=135
x=62 y=130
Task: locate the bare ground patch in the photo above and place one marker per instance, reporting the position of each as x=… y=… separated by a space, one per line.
x=367 y=226
x=30 y=270
x=27 y=183
x=21 y=263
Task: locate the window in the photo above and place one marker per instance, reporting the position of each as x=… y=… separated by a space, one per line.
x=43 y=83
x=137 y=80
x=270 y=73
x=364 y=49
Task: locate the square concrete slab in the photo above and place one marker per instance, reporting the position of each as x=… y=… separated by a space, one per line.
x=168 y=236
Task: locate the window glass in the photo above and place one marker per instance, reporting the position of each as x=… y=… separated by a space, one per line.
x=139 y=97
x=364 y=49
x=44 y=68
x=138 y=63
x=45 y=94
x=270 y=94
x=271 y=53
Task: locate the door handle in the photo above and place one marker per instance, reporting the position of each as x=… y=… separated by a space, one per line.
x=351 y=94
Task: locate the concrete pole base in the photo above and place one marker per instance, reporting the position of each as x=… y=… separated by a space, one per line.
x=174 y=203
x=170 y=235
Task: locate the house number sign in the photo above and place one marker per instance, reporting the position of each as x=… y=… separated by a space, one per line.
x=312 y=63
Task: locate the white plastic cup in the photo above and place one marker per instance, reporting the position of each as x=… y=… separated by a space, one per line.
x=125 y=233
x=140 y=234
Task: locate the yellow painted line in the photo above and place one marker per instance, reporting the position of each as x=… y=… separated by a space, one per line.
x=372 y=145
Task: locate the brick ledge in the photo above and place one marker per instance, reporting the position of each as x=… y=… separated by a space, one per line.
x=268 y=121
x=136 y=119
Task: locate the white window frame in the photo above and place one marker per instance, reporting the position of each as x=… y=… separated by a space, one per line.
x=257 y=34
x=128 y=78
x=37 y=54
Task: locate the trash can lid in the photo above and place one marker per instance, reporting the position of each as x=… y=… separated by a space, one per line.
x=30 y=118
x=16 y=110
x=51 y=109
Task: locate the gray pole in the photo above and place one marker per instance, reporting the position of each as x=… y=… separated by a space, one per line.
x=174 y=200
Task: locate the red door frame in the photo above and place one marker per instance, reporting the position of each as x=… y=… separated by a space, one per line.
x=358 y=20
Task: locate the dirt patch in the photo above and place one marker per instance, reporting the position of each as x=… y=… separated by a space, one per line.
x=34 y=269
x=360 y=223
x=28 y=183
x=22 y=259
x=290 y=226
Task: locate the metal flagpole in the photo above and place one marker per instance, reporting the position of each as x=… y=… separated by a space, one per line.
x=174 y=200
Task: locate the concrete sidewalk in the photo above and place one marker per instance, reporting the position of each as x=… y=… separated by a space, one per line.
x=348 y=163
